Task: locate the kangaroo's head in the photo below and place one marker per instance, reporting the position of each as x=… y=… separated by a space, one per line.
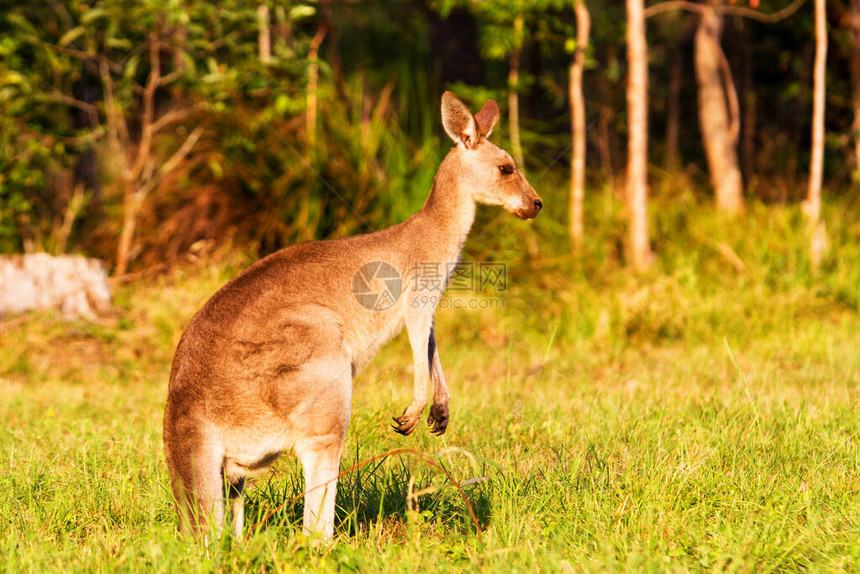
x=487 y=171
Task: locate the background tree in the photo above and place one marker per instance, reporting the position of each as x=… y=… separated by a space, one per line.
x=577 y=125
x=813 y=199
x=719 y=111
x=140 y=170
x=514 y=91
x=639 y=245
x=678 y=29
x=853 y=20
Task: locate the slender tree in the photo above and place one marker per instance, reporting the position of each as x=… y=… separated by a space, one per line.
x=749 y=101
x=577 y=125
x=313 y=93
x=719 y=114
x=813 y=199
x=673 y=108
x=140 y=173
x=637 y=145
x=675 y=31
x=854 y=19
x=513 y=92
x=264 y=39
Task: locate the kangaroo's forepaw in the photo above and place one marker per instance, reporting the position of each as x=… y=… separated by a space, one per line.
x=407 y=422
x=438 y=418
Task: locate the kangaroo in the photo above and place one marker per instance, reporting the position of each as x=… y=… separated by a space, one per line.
x=268 y=363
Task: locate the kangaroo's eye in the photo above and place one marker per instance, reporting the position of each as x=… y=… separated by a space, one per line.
x=506 y=169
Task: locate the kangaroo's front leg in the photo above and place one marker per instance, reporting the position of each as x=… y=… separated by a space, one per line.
x=419 y=326
x=438 y=417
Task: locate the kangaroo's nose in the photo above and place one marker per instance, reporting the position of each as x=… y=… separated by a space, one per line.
x=538 y=205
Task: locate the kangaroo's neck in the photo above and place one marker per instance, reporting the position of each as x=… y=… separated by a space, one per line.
x=449 y=211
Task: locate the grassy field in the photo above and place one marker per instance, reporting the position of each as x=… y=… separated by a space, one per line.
x=703 y=416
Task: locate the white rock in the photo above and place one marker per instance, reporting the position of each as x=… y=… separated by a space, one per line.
x=76 y=285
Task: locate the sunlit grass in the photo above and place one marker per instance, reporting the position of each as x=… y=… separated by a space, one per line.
x=703 y=416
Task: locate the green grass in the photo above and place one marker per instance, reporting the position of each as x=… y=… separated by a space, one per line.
x=698 y=417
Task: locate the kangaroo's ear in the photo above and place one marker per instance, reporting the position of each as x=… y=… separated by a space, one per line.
x=487 y=118
x=458 y=121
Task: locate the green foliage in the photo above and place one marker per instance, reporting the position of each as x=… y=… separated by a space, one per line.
x=251 y=179
x=250 y=176
x=14 y=182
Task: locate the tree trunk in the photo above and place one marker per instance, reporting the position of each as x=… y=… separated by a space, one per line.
x=607 y=148
x=855 y=81
x=748 y=104
x=719 y=126
x=313 y=88
x=87 y=90
x=673 y=107
x=813 y=199
x=637 y=144
x=513 y=94
x=577 y=127
x=265 y=36
x=333 y=36
x=131 y=206
x=141 y=167
x=604 y=147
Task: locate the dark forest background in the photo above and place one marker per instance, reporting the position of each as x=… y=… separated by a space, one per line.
x=143 y=131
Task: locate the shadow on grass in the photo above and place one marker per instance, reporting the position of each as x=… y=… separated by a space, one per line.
x=374 y=494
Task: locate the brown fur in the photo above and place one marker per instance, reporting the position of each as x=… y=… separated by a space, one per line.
x=267 y=364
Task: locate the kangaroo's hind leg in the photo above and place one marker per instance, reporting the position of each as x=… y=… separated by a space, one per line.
x=320 y=459
x=196 y=461
x=322 y=421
